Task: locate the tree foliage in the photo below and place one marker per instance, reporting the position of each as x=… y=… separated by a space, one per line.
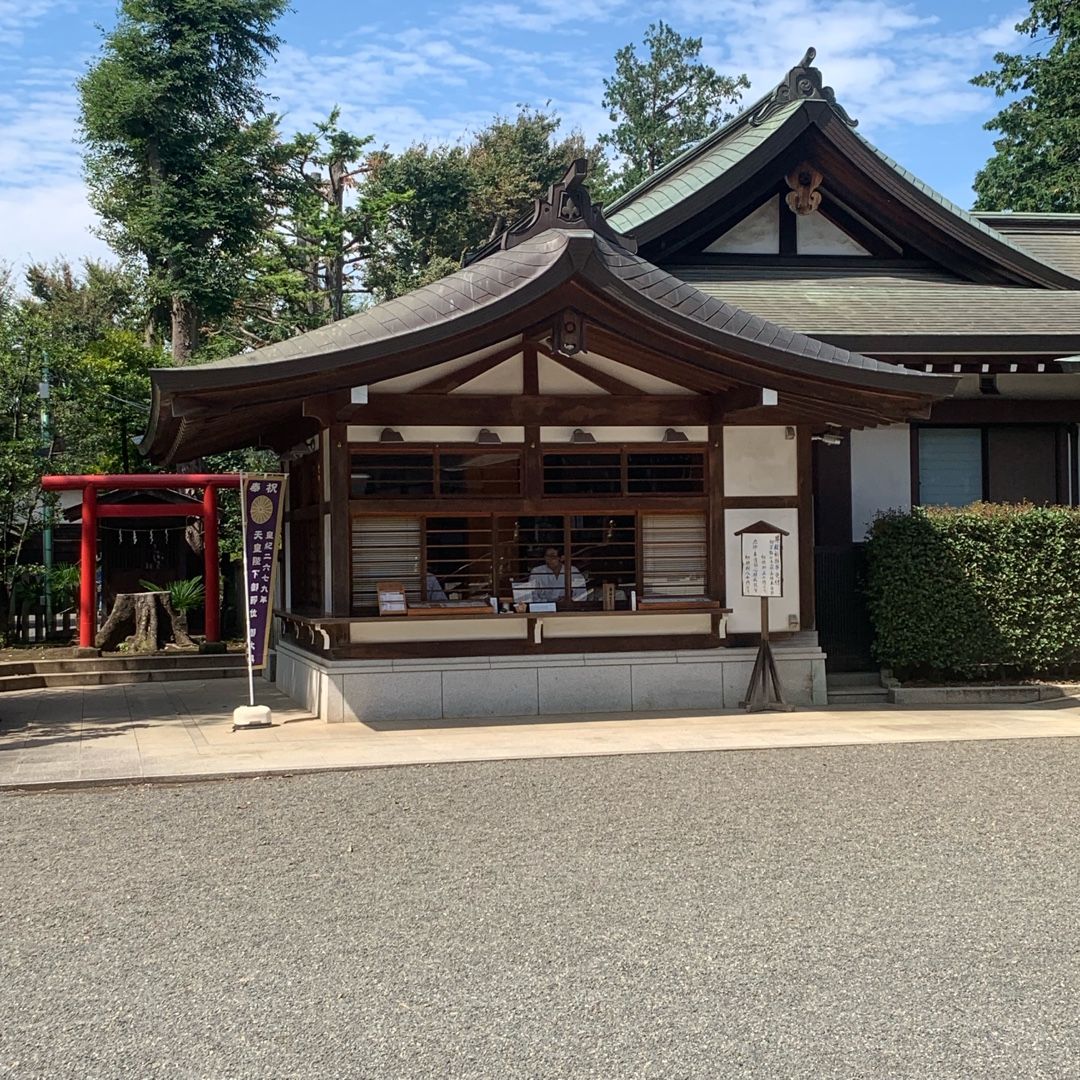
x=664 y=103
x=436 y=202
x=1036 y=164
x=178 y=143
x=82 y=331
x=307 y=268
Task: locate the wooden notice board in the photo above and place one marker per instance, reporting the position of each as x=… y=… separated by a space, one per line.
x=761 y=557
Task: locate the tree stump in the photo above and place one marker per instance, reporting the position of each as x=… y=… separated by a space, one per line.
x=134 y=619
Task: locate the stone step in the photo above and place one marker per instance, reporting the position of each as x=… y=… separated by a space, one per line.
x=858 y=695
x=848 y=679
x=88 y=665
x=117 y=677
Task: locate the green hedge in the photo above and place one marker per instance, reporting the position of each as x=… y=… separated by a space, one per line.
x=984 y=591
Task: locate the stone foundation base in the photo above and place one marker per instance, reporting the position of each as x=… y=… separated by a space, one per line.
x=548 y=684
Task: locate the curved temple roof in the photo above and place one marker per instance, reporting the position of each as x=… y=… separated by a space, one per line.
x=232 y=402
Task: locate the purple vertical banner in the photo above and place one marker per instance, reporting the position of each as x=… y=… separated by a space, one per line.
x=262 y=499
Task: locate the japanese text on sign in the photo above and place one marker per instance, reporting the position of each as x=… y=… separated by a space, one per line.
x=261 y=502
x=762 y=564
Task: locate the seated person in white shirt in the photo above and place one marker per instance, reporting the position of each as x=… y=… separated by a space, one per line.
x=548 y=580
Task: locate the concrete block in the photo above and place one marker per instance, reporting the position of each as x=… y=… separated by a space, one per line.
x=736 y=682
x=333 y=700
x=394 y=696
x=507 y=692
x=678 y=686
x=797 y=677
x=580 y=689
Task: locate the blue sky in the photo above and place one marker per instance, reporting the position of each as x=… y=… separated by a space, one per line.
x=437 y=69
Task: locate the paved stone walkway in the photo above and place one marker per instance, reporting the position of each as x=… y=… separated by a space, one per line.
x=184 y=730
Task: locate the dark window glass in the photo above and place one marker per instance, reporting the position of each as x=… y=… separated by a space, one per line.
x=582 y=474
x=950 y=466
x=603 y=552
x=458 y=555
x=392 y=475
x=665 y=474
x=487 y=473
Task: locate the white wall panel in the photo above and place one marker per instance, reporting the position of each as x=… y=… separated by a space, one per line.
x=880 y=474
x=760 y=461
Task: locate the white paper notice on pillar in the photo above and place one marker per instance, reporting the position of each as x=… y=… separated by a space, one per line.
x=762 y=559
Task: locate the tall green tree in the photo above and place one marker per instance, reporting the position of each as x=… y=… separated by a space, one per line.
x=1036 y=162
x=178 y=142
x=662 y=103
x=439 y=201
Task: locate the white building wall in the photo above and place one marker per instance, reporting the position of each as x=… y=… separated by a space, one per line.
x=880 y=474
x=760 y=461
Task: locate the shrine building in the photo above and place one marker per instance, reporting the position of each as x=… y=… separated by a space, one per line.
x=526 y=488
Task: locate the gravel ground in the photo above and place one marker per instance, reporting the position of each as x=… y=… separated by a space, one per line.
x=891 y=911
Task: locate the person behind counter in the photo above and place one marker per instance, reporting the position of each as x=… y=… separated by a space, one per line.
x=548 y=580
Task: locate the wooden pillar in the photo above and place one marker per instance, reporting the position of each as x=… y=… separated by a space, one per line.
x=88 y=569
x=717 y=556
x=805 y=490
x=340 y=568
x=211 y=564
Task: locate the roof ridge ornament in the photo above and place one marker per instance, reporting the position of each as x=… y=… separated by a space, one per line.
x=567 y=205
x=802 y=82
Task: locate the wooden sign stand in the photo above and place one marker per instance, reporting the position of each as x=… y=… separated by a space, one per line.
x=763 y=576
x=764 y=691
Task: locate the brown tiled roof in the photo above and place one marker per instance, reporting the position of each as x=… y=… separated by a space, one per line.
x=397 y=337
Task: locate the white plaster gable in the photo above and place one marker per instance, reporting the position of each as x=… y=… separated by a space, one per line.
x=504 y=378
x=816 y=235
x=555 y=379
x=757 y=234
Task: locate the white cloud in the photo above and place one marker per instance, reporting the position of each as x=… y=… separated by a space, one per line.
x=17 y=16
x=47 y=222
x=888 y=64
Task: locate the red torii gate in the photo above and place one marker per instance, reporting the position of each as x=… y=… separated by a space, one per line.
x=91 y=512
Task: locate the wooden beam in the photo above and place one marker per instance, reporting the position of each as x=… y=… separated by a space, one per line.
x=598 y=378
x=717 y=554
x=530 y=370
x=526 y=409
x=805 y=489
x=444 y=384
x=340 y=526
x=992 y=409
x=616 y=346
x=325 y=407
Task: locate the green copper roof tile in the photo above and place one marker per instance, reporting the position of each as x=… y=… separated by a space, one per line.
x=693 y=170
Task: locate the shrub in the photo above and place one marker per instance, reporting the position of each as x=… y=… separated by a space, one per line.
x=982 y=591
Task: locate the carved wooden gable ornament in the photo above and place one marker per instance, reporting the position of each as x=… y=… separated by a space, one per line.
x=802 y=82
x=567 y=205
